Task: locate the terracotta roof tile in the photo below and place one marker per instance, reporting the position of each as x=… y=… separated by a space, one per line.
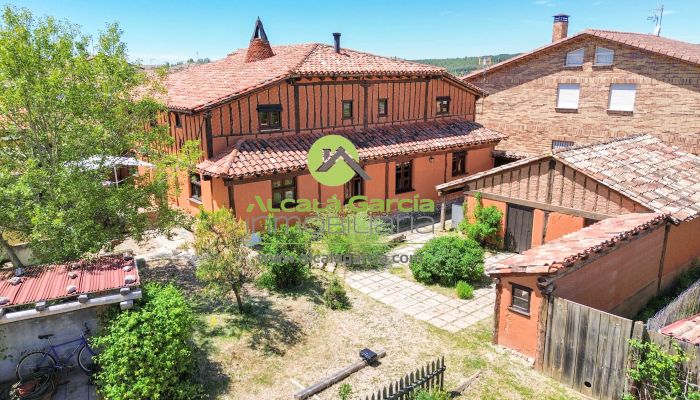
x=50 y=282
x=568 y=249
x=687 y=330
x=253 y=157
x=201 y=86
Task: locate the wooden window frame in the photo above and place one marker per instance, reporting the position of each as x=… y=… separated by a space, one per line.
x=462 y=165
x=386 y=107
x=519 y=309
x=283 y=189
x=350 y=110
x=178 y=120
x=404 y=177
x=266 y=112
x=195 y=187
x=351 y=185
x=443 y=105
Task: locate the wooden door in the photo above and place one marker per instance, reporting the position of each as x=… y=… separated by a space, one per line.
x=518 y=228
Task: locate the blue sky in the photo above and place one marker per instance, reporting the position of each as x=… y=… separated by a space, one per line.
x=175 y=30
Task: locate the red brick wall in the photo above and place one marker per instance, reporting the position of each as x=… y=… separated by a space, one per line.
x=514 y=329
x=523 y=97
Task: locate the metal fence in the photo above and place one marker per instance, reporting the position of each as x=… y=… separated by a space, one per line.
x=430 y=377
x=685 y=305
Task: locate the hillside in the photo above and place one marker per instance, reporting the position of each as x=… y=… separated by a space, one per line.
x=463 y=65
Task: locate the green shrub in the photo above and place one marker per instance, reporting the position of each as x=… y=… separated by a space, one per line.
x=484 y=225
x=435 y=395
x=147 y=352
x=658 y=374
x=345 y=391
x=446 y=260
x=464 y=290
x=335 y=296
x=285 y=251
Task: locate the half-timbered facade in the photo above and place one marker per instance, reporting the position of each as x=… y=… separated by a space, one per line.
x=257 y=112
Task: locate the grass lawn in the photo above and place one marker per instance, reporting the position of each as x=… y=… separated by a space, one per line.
x=293 y=337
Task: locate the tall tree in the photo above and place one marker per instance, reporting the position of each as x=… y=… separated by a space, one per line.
x=225 y=263
x=66 y=97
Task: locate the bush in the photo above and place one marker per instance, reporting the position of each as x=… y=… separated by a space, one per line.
x=147 y=352
x=447 y=259
x=345 y=391
x=484 y=225
x=465 y=290
x=335 y=296
x=285 y=250
x=436 y=395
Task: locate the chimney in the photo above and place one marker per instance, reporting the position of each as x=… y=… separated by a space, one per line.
x=561 y=27
x=259 y=48
x=336 y=37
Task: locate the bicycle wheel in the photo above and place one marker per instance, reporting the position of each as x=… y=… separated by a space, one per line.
x=34 y=362
x=86 y=360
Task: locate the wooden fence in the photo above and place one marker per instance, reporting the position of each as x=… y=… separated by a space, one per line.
x=588 y=349
x=430 y=377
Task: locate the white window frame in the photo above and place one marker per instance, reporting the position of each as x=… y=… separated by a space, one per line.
x=574 y=58
x=622 y=97
x=600 y=56
x=568 y=87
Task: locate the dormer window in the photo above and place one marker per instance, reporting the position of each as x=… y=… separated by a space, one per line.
x=269 y=116
x=443 y=104
x=603 y=56
x=574 y=58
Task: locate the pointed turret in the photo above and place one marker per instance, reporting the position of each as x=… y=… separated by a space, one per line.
x=259 y=48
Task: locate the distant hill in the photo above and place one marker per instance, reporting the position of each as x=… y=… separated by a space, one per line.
x=464 y=65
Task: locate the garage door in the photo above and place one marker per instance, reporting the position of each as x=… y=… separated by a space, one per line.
x=518 y=228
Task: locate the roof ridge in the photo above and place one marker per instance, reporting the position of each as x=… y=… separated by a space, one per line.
x=304 y=58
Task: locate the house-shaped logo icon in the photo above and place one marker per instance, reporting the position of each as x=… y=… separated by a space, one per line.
x=333 y=160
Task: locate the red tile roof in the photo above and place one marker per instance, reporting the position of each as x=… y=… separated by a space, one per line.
x=201 y=86
x=51 y=282
x=568 y=249
x=256 y=157
x=688 y=52
x=658 y=176
x=687 y=330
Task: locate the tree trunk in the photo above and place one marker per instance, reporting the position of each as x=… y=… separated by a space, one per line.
x=237 y=291
x=10 y=252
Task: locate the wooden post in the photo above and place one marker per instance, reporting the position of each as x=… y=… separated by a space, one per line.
x=334 y=378
x=443 y=214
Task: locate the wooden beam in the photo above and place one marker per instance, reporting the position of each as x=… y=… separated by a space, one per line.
x=541 y=206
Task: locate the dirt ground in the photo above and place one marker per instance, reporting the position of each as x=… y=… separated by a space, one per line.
x=291 y=339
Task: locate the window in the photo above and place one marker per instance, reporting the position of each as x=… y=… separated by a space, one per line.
x=574 y=58
x=283 y=189
x=347 y=109
x=269 y=116
x=178 y=122
x=567 y=96
x=356 y=187
x=561 y=144
x=622 y=97
x=404 y=177
x=603 y=56
x=196 y=187
x=459 y=163
x=382 y=107
x=443 y=105
x=520 y=300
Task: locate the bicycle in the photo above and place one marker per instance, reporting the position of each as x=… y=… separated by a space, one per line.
x=49 y=358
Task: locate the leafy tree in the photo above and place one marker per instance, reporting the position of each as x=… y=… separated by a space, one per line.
x=66 y=97
x=147 y=352
x=484 y=225
x=226 y=263
x=445 y=260
x=286 y=250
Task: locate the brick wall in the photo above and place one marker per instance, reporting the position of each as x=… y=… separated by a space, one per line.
x=523 y=97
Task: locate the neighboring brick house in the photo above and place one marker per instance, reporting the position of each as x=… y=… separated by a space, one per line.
x=612 y=265
x=591 y=86
x=258 y=111
x=548 y=196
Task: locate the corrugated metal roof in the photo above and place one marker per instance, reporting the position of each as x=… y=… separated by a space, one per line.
x=51 y=282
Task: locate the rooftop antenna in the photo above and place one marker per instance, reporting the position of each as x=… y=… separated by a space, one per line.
x=486 y=61
x=656 y=17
